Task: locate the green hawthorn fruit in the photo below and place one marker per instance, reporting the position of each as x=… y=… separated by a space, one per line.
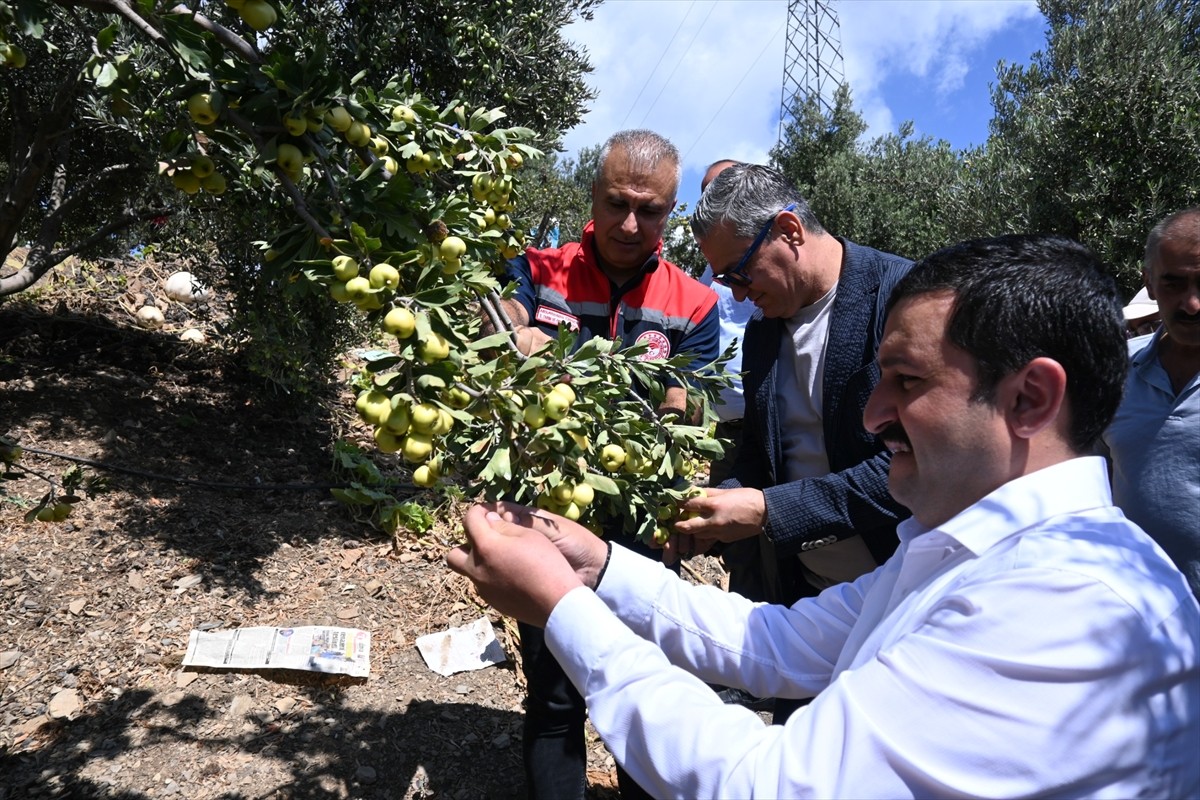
x=339 y=119
x=214 y=184
x=345 y=268
x=416 y=448
x=201 y=110
x=258 y=14
x=358 y=288
x=424 y=417
x=423 y=476
x=435 y=348
x=387 y=441
x=185 y=181
x=612 y=457
x=534 y=416
x=295 y=124
x=203 y=166
x=583 y=495
x=358 y=134
x=556 y=405
x=289 y=158
x=374 y=406
x=400 y=322
x=384 y=275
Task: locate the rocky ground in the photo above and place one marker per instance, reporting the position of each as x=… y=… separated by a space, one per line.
x=193 y=533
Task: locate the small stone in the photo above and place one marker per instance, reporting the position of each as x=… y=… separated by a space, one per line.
x=8 y=658
x=136 y=581
x=365 y=774
x=64 y=704
x=347 y=612
x=462 y=688
x=76 y=606
x=284 y=705
x=502 y=742
x=183 y=679
x=187 y=582
x=241 y=706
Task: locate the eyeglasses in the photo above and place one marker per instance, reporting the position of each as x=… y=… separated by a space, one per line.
x=737 y=276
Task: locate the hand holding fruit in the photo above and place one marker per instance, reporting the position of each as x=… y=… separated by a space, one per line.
x=523 y=562
x=723 y=515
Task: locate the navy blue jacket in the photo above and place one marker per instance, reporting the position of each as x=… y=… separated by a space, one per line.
x=853 y=498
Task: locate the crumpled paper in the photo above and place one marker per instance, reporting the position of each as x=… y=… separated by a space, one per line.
x=463 y=649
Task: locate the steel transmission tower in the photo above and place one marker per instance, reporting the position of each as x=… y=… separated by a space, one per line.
x=812 y=62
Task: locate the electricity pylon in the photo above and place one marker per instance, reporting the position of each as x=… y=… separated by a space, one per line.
x=812 y=63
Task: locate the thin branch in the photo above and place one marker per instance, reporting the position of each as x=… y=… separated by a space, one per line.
x=231 y=40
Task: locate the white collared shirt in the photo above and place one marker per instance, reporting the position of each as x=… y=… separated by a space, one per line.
x=1036 y=644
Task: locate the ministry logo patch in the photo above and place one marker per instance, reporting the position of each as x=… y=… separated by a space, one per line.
x=658 y=345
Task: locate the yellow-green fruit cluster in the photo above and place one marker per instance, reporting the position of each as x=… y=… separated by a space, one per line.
x=568 y=498
x=557 y=403
x=54 y=513
x=450 y=251
x=410 y=430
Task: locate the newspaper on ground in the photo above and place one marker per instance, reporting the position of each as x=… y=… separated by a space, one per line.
x=470 y=647
x=316 y=648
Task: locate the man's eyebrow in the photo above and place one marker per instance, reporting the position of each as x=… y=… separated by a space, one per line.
x=893 y=360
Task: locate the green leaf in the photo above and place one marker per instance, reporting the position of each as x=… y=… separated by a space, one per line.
x=106 y=37
x=488 y=342
x=500 y=466
x=602 y=484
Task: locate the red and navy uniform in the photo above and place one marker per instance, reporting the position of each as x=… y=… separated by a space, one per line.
x=662 y=307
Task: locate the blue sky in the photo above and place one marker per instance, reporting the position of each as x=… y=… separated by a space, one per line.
x=708 y=73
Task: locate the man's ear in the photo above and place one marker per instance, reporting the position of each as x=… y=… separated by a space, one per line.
x=791 y=227
x=1034 y=396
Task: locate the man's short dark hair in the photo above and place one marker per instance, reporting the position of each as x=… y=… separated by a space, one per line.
x=1017 y=298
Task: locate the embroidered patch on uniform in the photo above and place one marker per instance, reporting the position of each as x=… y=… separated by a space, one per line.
x=659 y=346
x=552 y=316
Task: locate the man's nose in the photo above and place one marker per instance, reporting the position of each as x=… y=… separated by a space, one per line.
x=879 y=411
x=629 y=225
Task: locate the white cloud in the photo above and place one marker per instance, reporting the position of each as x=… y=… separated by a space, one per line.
x=708 y=75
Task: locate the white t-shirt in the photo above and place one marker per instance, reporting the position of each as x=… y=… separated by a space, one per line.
x=798 y=390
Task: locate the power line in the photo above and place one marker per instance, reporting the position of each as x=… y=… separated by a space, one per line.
x=735 y=88
x=683 y=55
x=661 y=56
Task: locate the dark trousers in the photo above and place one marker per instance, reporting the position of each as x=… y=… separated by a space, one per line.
x=554 y=747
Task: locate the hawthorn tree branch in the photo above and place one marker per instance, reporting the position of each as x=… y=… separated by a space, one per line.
x=226 y=37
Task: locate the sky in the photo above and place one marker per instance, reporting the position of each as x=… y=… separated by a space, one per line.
x=708 y=74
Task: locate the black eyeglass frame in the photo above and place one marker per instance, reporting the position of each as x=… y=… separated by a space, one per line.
x=737 y=276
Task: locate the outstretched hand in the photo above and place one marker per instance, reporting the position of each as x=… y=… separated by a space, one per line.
x=523 y=561
x=721 y=515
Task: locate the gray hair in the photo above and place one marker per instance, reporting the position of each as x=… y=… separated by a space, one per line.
x=745 y=196
x=1182 y=225
x=645 y=150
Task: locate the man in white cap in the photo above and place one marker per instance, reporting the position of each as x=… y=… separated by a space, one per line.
x=1141 y=315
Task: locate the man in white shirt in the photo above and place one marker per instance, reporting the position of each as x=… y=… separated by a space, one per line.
x=1024 y=640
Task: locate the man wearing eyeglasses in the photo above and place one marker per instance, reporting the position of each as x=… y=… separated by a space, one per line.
x=613 y=284
x=809 y=478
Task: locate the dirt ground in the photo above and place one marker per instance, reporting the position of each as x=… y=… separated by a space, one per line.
x=96 y=610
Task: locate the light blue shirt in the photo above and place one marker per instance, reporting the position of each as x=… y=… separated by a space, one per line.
x=1154 y=445
x=734 y=316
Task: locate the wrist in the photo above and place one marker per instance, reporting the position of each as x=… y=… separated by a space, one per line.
x=595 y=585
